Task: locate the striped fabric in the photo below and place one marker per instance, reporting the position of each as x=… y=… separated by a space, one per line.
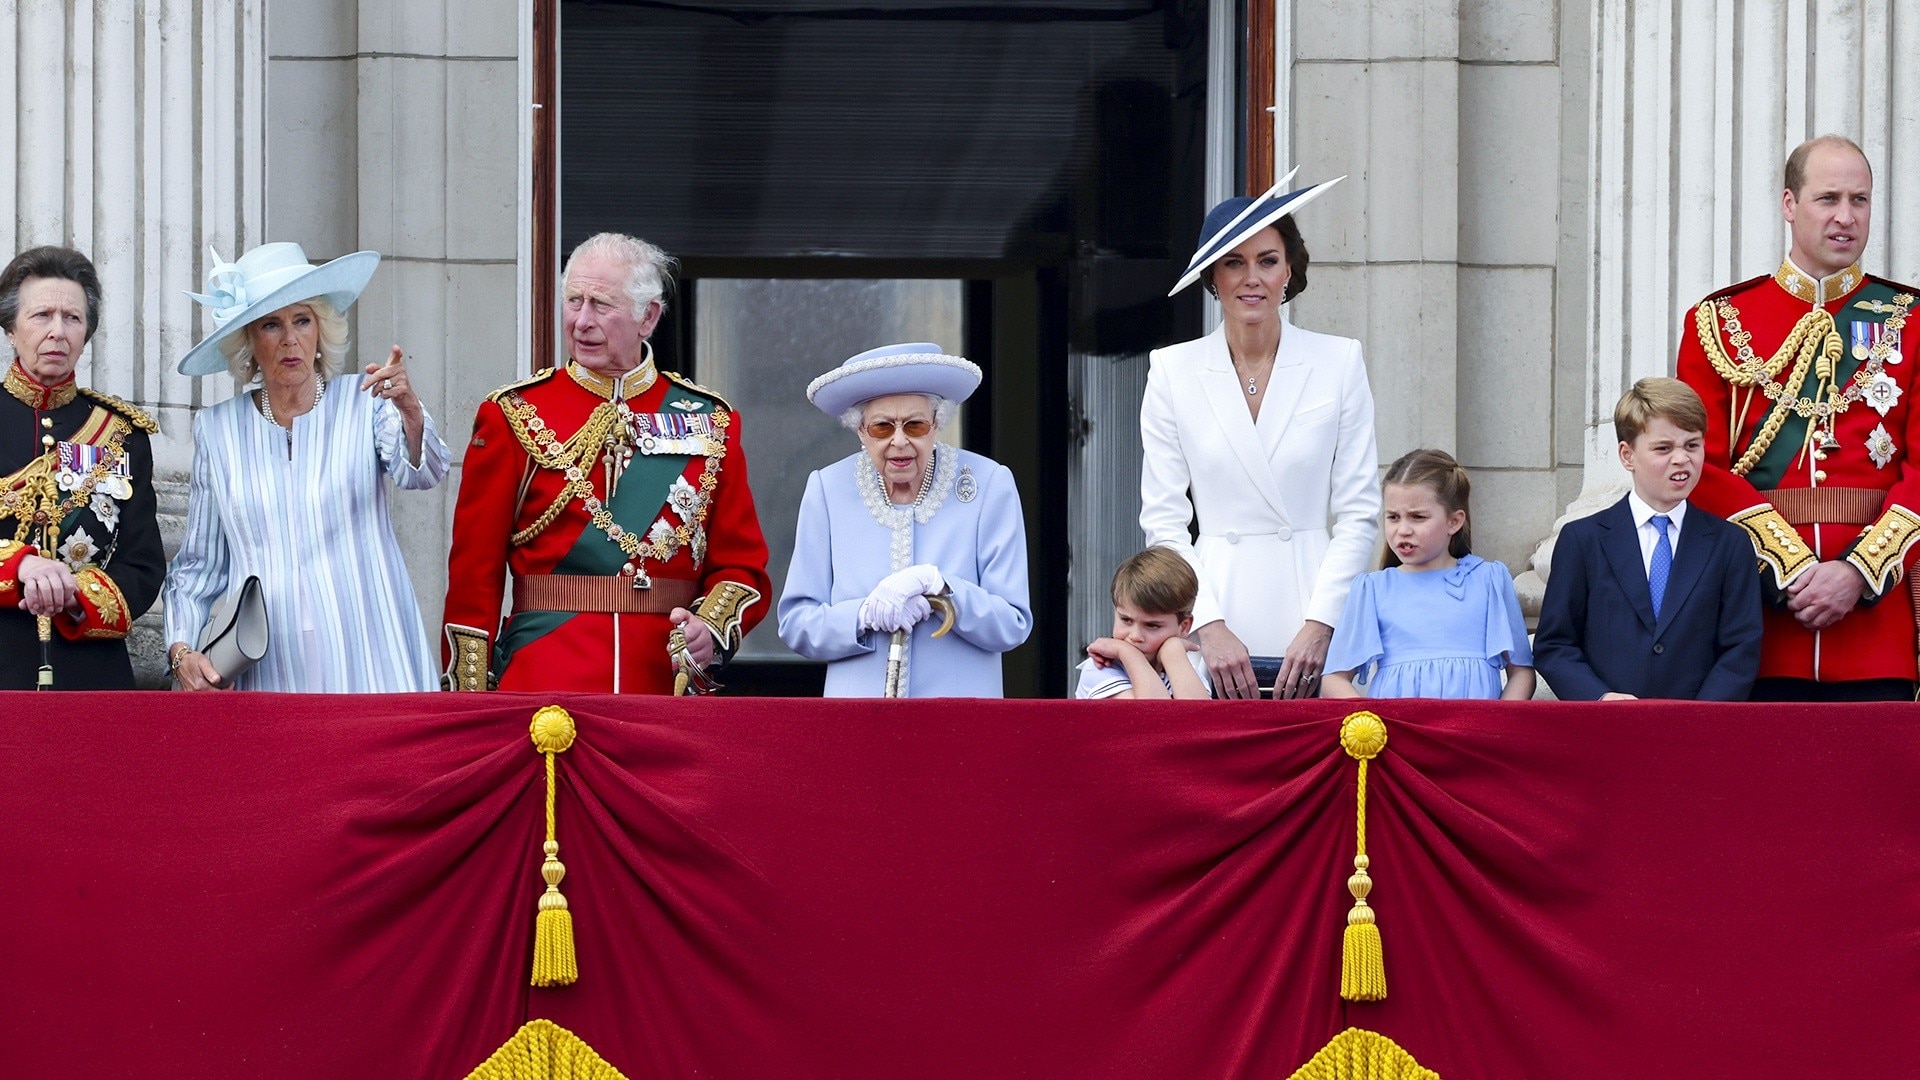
x=314 y=526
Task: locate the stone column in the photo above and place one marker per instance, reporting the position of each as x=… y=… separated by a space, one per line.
x=1693 y=109
x=1374 y=94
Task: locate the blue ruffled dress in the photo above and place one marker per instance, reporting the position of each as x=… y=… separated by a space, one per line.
x=1431 y=633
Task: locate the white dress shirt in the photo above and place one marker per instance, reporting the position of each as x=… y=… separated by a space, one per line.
x=1649 y=532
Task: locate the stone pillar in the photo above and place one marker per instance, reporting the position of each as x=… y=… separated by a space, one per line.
x=1693 y=109
x=1374 y=93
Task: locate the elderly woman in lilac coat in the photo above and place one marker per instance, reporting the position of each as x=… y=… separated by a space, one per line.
x=906 y=519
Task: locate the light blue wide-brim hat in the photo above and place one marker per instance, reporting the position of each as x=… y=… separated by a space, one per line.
x=914 y=367
x=265 y=280
x=1234 y=220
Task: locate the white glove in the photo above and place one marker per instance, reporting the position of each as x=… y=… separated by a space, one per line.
x=887 y=616
x=921 y=580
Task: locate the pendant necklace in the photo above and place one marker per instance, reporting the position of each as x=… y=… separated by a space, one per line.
x=1250 y=387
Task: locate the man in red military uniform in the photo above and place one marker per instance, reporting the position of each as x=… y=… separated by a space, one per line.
x=1812 y=438
x=617 y=497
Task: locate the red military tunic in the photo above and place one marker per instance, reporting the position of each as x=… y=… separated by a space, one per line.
x=1812 y=436
x=535 y=500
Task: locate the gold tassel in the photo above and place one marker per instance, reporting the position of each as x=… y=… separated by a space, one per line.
x=553 y=959
x=1363 y=971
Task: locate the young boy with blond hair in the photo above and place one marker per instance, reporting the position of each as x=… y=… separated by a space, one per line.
x=1148 y=655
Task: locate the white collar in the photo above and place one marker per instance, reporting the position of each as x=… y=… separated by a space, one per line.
x=1642 y=513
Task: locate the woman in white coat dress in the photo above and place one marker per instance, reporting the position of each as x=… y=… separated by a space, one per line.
x=1264 y=431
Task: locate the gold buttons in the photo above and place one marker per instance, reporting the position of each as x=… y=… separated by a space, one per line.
x=1819 y=455
x=1819 y=476
x=46 y=421
x=46 y=440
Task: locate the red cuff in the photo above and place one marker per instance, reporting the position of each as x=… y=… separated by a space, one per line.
x=103 y=609
x=11 y=552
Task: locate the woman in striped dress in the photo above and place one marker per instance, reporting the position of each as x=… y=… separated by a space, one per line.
x=289 y=485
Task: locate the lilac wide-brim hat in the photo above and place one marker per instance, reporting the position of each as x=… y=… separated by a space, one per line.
x=1229 y=224
x=915 y=367
x=265 y=280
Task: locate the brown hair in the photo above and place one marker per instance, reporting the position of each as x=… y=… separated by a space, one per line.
x=49 y=262
x=1796 y=172
x=1297 y=259
x=1655 y=396
x=1157 y=580
x=1437 y=471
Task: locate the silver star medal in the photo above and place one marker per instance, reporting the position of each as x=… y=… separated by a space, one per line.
x=1883 y=393
x=1880 y=446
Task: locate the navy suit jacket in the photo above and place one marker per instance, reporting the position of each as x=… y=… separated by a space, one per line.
x=1597 y=632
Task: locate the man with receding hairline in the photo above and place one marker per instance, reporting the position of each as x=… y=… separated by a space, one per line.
x=1811 y=430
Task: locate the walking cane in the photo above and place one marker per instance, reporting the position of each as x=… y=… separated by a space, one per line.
x=897 y=649
x=43 y=624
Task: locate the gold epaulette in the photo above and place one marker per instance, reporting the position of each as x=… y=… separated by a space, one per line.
x=1881 y=551
x=722 y=608
x=534 y=380
x=1776 y=543
x=128 y=410
x=1738 y=286
x=698 y=389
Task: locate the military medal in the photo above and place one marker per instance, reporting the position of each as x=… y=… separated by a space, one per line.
x=1880 y=446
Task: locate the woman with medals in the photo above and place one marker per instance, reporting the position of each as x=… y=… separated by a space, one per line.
x=909 y=572
x=1264 y=432
x=80 y=551
x=290 y=485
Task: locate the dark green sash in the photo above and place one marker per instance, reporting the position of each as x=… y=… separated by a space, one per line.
x=1774 y=464
x=637 y=503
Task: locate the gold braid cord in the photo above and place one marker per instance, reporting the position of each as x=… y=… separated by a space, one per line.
x=1776 y=543
x=1363 y=972
x=573 y=457
x=553 y=958
x=1358 y=1054
x=1881 y=551
x=722 y=608
x=543 y=1050
x=1812 y=342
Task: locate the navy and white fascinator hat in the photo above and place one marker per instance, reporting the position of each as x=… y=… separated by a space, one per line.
x=1229 y=224
x=265 y=280
x=915 y=367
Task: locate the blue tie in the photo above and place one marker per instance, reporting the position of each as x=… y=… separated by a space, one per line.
x=1662 y=563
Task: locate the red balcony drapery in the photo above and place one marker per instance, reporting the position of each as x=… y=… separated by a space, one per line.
x=298 y=886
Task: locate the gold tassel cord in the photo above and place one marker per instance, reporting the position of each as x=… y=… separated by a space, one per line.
x=543 y=1050
x=1363 y=973
x=553 y=958
x=1359 y=1054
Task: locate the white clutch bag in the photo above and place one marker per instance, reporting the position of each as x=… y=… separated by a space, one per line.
x=235 y=637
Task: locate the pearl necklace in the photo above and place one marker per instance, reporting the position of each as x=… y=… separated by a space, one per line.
x=266 y=405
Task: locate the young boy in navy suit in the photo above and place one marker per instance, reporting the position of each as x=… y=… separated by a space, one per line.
x=1651 y=597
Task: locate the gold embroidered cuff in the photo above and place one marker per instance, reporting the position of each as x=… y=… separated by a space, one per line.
x=1775 y=542
x=1881 y=551
x=468 y=667
x=722 y=608
x=103 y=609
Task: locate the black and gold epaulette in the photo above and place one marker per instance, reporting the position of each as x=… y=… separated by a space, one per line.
x=132 y=413
x=1741 y=286
x=682 y=380
x=536 y=379
x=1892 y=284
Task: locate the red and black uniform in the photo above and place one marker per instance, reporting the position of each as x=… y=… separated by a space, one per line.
x=1812 y=442
x=609 y=504
x=77 y=488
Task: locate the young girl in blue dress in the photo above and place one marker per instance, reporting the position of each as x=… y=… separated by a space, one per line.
x=1438 y=622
